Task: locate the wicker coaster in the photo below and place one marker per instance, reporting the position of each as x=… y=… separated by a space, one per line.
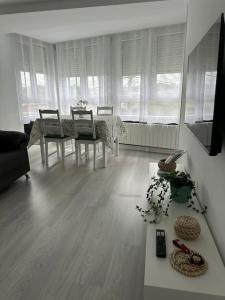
x=187 y=228
x=180 y=262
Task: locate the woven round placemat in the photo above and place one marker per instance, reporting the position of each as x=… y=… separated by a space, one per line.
x=180 y=262
x=170 y=167
x=187 y=228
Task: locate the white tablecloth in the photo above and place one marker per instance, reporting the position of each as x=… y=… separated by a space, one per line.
x=108 y=129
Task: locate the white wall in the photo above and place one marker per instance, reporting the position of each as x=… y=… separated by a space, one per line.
x=9 y=113
x=209 y=172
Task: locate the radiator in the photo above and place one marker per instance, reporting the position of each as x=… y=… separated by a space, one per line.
x=151 y=135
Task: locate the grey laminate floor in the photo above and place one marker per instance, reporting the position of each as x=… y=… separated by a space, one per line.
x=75 y=233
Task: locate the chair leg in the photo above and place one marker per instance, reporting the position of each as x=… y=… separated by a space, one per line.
x=72 y=144
x=46 y=153
x=63 y=152
x=79 y=147
x=104 y=154
x=77 y=153
x=94 y=158
x=86 y=152
x=27 y=176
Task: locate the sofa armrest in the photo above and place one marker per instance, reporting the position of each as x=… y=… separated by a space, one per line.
x=12 y=140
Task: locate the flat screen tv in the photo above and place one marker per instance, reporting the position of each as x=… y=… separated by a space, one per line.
x=205 y=94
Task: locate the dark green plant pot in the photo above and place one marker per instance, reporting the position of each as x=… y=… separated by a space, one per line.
x=180 y=194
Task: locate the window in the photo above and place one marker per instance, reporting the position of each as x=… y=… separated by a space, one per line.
x=93 y=85
x=41 y=86
x=164 y=105
x=131 y=79
x=35 y=80
x=25 y=84
x=79 y=73
x=92 y=80
x=168 y=86
x=73 y=84
x=138 y=72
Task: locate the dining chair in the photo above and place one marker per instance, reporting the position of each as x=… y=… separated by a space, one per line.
x=78 y=108
x=84 y=133
x=53 y=132
x=104 y=110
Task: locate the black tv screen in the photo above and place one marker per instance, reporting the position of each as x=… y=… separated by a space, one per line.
x=205 y=92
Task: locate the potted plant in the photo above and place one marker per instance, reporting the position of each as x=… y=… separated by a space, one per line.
x=181 y=186
x=181 y=189
x=82 y=103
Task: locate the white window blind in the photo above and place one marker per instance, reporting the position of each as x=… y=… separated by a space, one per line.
x=91 y=60
x=138 y=72
x=170 y=53
x=72 y=60
x=131 y=58
x=23 y=57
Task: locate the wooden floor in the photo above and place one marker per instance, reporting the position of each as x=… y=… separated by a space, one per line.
x=74 y=233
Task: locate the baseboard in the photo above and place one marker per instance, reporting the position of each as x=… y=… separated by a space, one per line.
x=146 y=149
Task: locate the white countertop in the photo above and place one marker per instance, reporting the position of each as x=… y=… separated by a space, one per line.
x=159 y=273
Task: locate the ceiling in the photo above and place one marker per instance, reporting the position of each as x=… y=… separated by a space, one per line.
x=20 y=6
x=17 y=1
x=69 y=24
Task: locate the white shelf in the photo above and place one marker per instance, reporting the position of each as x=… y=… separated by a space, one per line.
x=162 y=281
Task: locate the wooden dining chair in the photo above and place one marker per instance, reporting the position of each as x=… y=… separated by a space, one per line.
x=53 y=132
x=84 y=133
x=104 y=110
x=77 y=108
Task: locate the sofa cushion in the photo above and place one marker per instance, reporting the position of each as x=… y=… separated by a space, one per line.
x=10 y=161
x=12 y=140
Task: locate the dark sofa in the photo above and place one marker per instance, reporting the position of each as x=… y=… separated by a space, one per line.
x=14 y=161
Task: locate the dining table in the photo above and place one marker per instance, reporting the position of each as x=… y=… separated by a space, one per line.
x=108 y=128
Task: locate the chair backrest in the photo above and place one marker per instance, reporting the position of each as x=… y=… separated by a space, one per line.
x=77 y=108
x=50 y=121
x=83 y=123
x=104 y=110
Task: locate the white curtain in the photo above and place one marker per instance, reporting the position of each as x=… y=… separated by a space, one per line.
x=129 y=71
x=84 y=72
x=138 y=72
x=35 y=74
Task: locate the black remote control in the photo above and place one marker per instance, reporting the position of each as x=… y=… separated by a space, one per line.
x=160 y=243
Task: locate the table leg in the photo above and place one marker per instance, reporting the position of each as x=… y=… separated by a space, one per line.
x=113 y=147
x=117 y=146
x=104 y=153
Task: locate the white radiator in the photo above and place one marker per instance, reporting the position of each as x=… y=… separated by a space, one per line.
x=151 y=135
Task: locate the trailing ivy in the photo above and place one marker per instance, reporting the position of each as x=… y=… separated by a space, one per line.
x=159 y=200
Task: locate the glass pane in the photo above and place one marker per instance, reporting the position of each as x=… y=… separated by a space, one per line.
x=41 y=86
x=93 y=86
x=168 y=85
x=26 y=84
